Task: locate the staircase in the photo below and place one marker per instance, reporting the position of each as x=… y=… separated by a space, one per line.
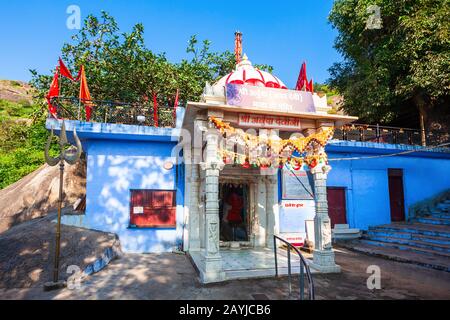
x=424 y=241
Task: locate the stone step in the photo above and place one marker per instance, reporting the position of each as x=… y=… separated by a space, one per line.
x=413 y=243
x=410 y=236
x=443 y=206
x=434 y=221
x=424 y=260
x=440 y=215
x=415 y=228
x=406 y=248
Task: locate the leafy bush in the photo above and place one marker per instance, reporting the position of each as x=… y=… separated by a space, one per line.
x=22 y=146
x=21 y=109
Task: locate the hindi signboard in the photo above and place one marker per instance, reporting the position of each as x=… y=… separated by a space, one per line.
x=270 y=99
x=269 y=122
x=293 y=217
x=297 y=184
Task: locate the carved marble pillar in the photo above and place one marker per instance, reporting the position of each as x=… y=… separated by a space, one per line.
x=323 y=255
x=271 y=202
x=194 y=219
x=212 y=165
x=261 y=214
x=194 y=179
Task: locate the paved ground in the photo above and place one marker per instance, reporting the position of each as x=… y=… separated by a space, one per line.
x=171 y=276
x=27 y=251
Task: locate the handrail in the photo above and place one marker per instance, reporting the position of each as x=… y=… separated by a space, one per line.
x=385 y=134
x=108 y=111
x=303 y=266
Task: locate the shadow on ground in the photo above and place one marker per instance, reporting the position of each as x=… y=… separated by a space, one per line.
x=171 y=276
x=27 y=251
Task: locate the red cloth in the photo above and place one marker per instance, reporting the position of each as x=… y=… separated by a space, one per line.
x=53 y=92
x=64 y=71
x=302 y=80
x=236 y=203
x=309 y=86
x=85 y=95
x=175 y=105
x=155 y=110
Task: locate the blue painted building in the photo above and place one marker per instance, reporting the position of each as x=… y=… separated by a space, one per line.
x=365 y=180
x=120 y=159
x=123 y=158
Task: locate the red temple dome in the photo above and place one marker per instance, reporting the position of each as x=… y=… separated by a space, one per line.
x=245 y=73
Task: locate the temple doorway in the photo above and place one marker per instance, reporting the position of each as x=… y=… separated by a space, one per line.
x=234 y=212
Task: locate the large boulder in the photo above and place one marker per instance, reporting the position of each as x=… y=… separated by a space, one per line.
x=37 y=193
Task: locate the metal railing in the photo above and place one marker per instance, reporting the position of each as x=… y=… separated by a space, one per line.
x=303 y=267
x=384 y=134
x=115 y=112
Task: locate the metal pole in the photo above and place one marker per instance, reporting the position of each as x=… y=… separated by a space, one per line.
x=275 y=253
x=79 y=109
x=378 y=133
x=289 y=269
x=58 y=225
x=302 y=281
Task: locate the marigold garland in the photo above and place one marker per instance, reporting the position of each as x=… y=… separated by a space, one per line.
x=275 y=148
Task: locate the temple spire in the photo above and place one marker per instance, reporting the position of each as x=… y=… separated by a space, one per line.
x=238 y=46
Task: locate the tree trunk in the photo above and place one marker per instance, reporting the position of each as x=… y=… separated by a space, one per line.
x=423 y=137
x=420 y=104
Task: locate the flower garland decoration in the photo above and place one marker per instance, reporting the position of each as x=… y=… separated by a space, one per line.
x=279 y=152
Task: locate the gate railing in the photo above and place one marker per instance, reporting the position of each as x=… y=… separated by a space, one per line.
x=71 y=108
x=392 y=135
x=304 y=269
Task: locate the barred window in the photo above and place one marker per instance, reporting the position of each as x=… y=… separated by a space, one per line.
x=153 y=208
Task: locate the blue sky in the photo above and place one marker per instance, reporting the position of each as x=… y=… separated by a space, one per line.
x=279 y=33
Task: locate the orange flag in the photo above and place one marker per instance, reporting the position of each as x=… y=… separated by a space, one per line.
x=85 y=95
x=53 y=92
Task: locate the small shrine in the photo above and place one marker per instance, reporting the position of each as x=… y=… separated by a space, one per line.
x=245 y=130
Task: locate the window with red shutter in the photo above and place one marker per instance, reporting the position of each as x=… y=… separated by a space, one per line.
x=153 y=208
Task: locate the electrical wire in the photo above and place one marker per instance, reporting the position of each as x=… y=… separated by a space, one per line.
x=290 y=169
x=390 y=154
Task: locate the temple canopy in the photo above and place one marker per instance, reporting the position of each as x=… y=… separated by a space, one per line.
x=246 y=73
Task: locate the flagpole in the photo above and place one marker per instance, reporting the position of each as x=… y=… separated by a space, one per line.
x=79 y=96
x=59 y=82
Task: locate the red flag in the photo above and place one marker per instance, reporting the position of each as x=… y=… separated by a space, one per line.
x=85 y=95
x=64 y=71
x=302 y=81
x=175 y=105
x=311 y=86
x=53 y=92
x=78 y=76
x=155 y=110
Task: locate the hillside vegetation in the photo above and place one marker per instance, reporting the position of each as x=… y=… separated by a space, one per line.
x=22 y=132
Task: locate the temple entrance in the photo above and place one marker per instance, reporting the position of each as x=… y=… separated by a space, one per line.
x=234 y=212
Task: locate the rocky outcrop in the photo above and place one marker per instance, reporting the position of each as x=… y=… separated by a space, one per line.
x=16 y=91
x=37 y=193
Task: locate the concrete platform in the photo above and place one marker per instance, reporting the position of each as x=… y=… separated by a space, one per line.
x=395 y=254
x=252 y=263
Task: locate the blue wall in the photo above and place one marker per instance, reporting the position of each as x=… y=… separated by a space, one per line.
x=113 y=168
x=122 y=157
x=425 y=174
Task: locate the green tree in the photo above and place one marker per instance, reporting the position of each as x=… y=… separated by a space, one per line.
x=403 y=65
x=119 y=67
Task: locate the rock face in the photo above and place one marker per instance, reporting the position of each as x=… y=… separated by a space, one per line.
x=37 y=193
x=15 y=91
